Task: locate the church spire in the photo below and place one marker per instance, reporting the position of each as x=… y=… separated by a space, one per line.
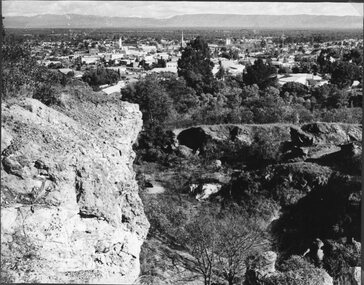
x=182 y=41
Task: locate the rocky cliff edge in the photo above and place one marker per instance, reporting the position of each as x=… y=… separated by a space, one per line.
x=70 y=210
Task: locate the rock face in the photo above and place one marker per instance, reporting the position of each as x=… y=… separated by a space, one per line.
x=70 y=205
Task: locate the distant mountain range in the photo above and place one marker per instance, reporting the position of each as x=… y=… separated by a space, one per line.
x=188 y=21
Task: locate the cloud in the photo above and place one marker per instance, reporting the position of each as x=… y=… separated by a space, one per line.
x=169 y=8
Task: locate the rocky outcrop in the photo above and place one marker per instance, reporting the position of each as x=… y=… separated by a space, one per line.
x=70 y=206
x=197 y=137
x=309 y=135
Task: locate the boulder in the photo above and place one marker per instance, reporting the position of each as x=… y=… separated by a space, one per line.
x=205 y=190
x=185 y=151
x=300 y=138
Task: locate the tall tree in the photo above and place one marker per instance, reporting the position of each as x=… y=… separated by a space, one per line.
x=153 y=100
x=344 y=73
x=195 y=66
x=260 y=73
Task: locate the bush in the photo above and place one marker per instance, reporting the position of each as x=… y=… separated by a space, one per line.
x=340 y=258
x=295 y=262
x=295 y=88
x=264 y=150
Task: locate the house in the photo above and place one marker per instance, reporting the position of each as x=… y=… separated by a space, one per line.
x=172 y=64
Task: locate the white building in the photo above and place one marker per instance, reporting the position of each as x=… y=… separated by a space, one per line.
x=90 y=59
x=303 y=78
x=172 y=64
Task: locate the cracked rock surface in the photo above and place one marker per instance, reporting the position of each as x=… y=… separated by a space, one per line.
x=70 y=210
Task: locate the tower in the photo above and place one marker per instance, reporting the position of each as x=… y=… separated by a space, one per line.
x=120 y=43
x=182 y=41
x=283 y=37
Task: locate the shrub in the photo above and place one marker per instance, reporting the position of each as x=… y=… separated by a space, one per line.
x=295 y=262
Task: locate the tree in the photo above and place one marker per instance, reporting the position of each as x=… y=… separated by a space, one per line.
x=221 y=73
x=330 y=96
x=160 y=63
x=202 y=244
x=17 y=67
x=156 y=106
x=100 y=76
x=325 y=59
x=260 y=73
x=295 y=88
x=153 y=100
x=221 y=242
x=184 y=97
x=355 y=56
x=238 y=238
x=195 y=66
x=344 y=73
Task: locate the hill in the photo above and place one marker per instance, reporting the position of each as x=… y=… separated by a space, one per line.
x=187 y=21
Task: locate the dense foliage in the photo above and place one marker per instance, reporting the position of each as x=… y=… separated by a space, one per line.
x=100 y=76
x=260 y=73
x=22 y=76
x=195 y=66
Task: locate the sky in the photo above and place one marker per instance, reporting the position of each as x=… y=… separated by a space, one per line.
x=154 y=9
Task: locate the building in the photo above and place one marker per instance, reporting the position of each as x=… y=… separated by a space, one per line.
x=307 y=79
x=90 y=59
x=172 y=64
x=183 y=43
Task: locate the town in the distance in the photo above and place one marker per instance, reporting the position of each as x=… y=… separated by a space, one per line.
x=131 y=54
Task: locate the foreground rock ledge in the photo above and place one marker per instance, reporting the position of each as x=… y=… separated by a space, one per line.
x=70 y=206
